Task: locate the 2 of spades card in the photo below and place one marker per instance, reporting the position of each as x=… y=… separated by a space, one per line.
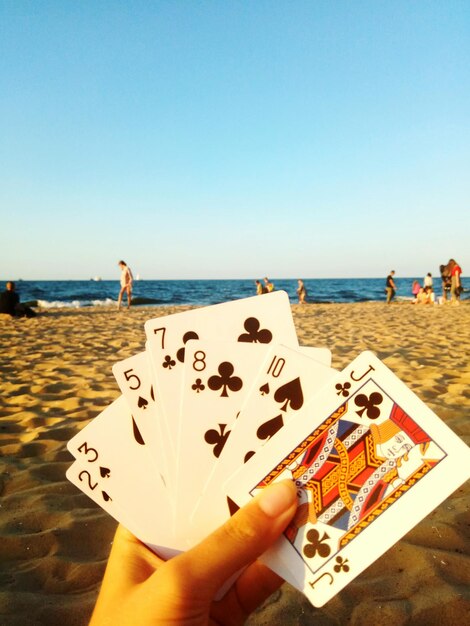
x=370 y=460
x=112 y=467
x=259 y=319
x=284 y=382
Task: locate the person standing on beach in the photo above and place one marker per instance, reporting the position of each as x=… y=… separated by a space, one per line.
x=260 y=289
x=428 y=280
x=126 y=283
x=390 y=287
x=301 y=291
x=455 y=282
x=445 y=278
x=268 y=284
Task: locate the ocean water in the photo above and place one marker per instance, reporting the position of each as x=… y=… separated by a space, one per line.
x=79 y=293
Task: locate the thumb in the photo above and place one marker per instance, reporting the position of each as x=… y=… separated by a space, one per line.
x=243 y=538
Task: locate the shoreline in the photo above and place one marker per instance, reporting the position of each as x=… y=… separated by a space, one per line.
x=56 y=376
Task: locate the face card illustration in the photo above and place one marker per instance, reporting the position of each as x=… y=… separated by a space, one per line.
x=370 y=460
x=286 y=380
x=216 y=379
x=251 y=320
x=106 y=448
x=134 y=377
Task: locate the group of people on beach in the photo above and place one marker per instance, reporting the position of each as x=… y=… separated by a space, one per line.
x=267 y=286
x=424 y=293
x=264 y=287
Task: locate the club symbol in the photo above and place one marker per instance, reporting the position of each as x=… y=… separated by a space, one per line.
x=225 y=380
x=169 y=362
x=343 y=390
x=316 y=544
x=341 y=565
x=369 y=404
x=198 y=386
x=254 y=334
x=186 y=337
x=217 y=438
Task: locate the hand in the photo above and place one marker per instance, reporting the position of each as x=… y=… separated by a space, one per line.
x=140 y=589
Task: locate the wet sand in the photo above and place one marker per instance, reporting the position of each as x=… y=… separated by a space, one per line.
x=55 y=375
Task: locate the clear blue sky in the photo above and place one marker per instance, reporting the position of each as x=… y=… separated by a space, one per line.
x=234 y=139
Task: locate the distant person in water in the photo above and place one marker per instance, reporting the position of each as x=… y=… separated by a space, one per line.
x=126 y=284
x=10 y=303
x=268 y=284
x=301 y=291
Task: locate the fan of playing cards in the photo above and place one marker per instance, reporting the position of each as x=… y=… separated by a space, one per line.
x=223 y=401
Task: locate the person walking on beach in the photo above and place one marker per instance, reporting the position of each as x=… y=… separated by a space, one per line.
x=455 y=282
x=268 y=284
x=390 y=287
x=126 y=283
x=445 y=278
x=10 y=303
x=301 y=291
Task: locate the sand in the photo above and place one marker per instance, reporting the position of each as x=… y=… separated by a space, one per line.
x=55 y=375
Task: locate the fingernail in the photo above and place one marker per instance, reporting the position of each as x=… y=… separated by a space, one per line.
x=277 y=498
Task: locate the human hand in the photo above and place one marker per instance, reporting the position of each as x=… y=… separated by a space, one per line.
x=140 y=589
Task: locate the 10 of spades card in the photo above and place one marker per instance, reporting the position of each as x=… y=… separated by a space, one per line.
x=369 y=459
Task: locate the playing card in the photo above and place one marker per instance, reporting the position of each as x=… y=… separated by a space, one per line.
x=285 y=381
x=134 y=377
x=322 y=355
x=370 y=460
x=108 y=450
x=250 y=320
x=217 y=377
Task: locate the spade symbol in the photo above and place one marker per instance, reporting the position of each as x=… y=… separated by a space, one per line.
x=137 y=436
x=232 y=506
x=105 y=472
x=290 y=393
x=248 y=456
x=106 y=497
x=270 y=428
x=142 y=403
x=264 y=389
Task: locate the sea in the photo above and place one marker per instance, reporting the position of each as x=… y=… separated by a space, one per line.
x=96 y=292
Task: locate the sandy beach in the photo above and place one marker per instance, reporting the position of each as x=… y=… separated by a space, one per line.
x=55 y=375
